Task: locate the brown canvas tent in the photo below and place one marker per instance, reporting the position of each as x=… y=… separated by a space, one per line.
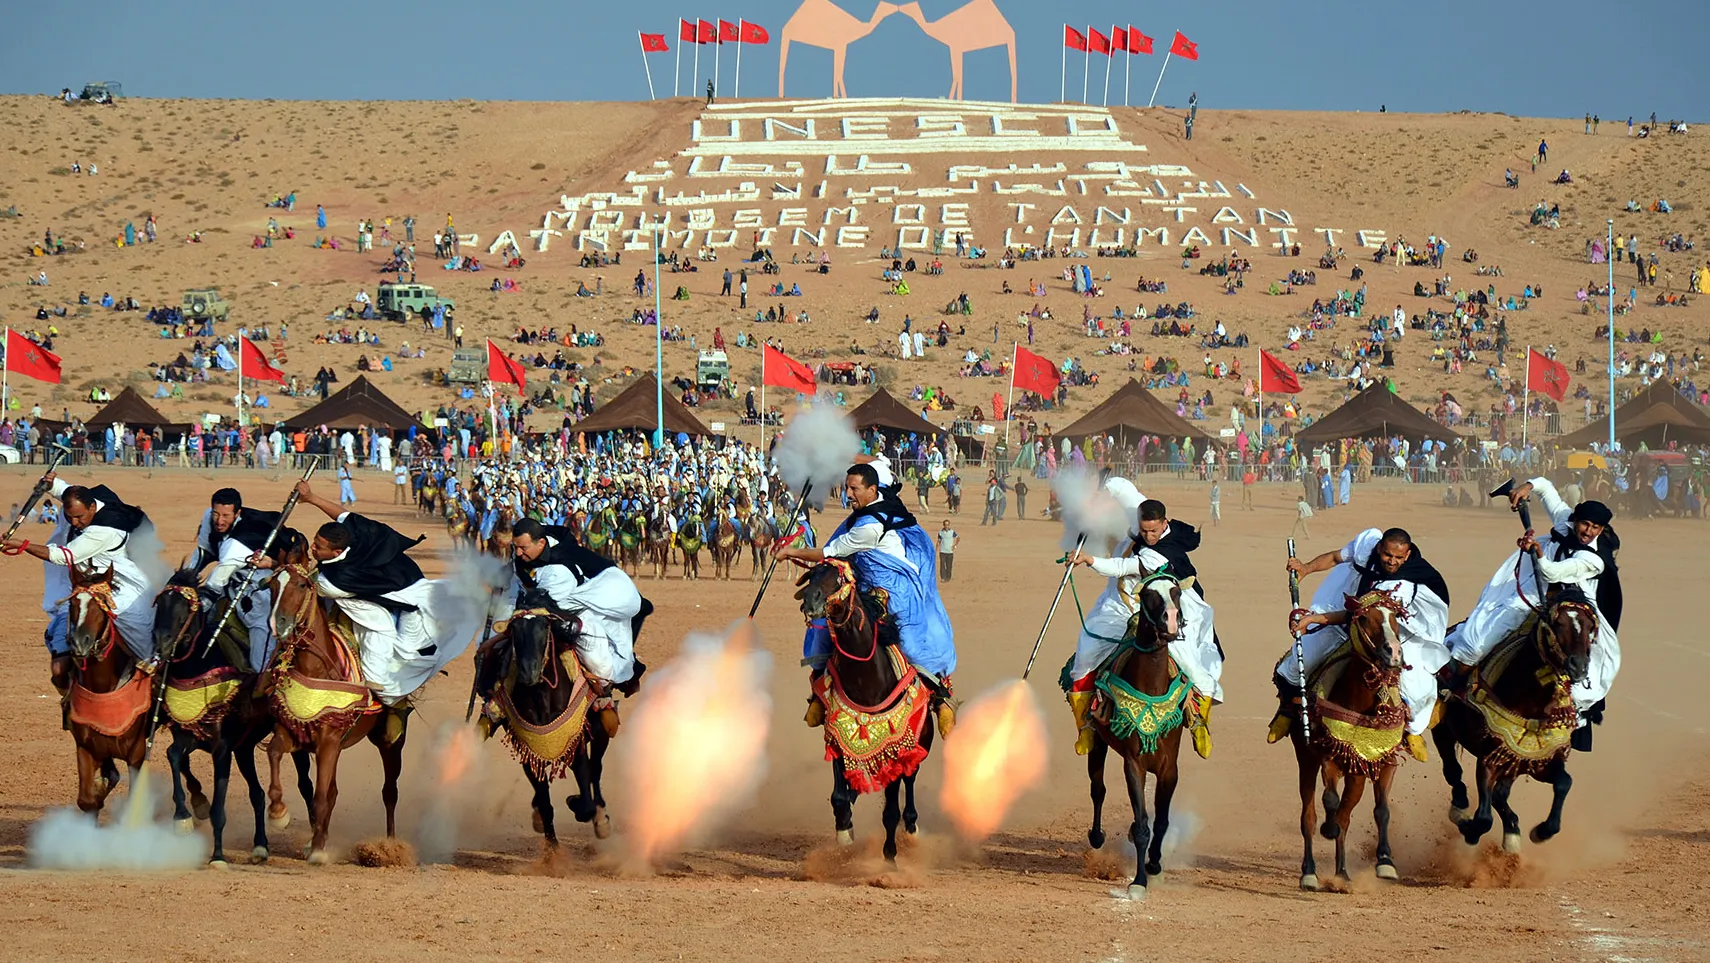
x=1133 y=411
x=884 y=411
x=1656 y=416
x=636 y=407
x=354 y=406
x=1376 y=412
x=128 y=408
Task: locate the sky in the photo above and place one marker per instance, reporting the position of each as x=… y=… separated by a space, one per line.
x=1432 y=56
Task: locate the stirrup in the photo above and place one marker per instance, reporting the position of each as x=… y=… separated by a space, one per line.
x=1201 y=740
x=946 y=716
x=1281 y=723
x=1416 y=746
x=815 y=716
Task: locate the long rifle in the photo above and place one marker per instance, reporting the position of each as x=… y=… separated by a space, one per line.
x=249 y=576
x=475 y=683
x=1067 y=571
x=1299 y=647
x=1525 y=512
x=43 y=485
x=795 y=514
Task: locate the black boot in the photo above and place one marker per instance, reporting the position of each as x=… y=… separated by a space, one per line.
x=633 y=686
x=1581 y=739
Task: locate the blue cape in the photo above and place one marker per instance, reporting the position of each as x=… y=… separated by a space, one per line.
x=923 y=625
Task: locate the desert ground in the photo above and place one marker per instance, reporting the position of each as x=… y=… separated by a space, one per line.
x=1625 y=881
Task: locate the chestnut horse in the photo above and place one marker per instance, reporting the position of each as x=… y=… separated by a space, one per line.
x=761 y=532
x=726 y=548
x=1526 y=689
x=889 y=706
x=109 y=697
x=211 y=706
x=540 y=698
x=1366 y=689
x=319 y=702
x=659 y=540
x=1147 y=695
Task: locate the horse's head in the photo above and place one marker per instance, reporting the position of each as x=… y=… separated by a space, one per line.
x=293 y=597
x=1566 y=636
x=1159 y=617
x=827 y=591
x=1374 y=628
x=179 y=611
x=90 y=612
x=533 y=629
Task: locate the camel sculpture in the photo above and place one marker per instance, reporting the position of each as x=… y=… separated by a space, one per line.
x=823 y=24
x=976 y=25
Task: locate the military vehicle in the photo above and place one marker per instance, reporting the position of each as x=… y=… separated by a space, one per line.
x=201 y=303
x=396 y=301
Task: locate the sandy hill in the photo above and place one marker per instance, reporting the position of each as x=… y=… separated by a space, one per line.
x=211 y=166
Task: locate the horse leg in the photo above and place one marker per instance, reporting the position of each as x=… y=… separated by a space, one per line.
x=1165 y=791
x=1380 y=815
x=1095 y=775
x=1139 y=831
x=1510 y=819
x=1330 y=828
x=257 y=796
x=391 y=766
x=198 y=799
x=305 y=785
x=1444 y=737
x=1473 y=829
x=542 y=803
x=1353 y=787
x=327 y=748
x=278 y=816
x=177 y=762
x=585 y=805
x=597 y=747
x=222 y=753
x=911 y=816
x=1558 y=778
x=1308 y=767
x=842 y=804
x=893 y=818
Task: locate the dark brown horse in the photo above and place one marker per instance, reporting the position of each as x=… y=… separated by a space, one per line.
x=691 y=538
x=1143 y=696
x=659 y=540
x=1364 y=696
x=632 y=543
x=878 y=726
x=760 y=537
x=109 y=697
x=539 y=696
x=1515 y=714
x=210 y=705
x=319 y=702
x=726 y=547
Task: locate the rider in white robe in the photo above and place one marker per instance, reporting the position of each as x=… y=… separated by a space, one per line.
x=230 y=551
x=579 y=581
x=1356 y=568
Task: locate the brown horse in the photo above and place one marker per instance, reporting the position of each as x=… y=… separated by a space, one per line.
x=659 y=540
x=109 y=699
x=691 y=538
x=498 y=542
x=1364 y=696
x=760 y=532
x=1143 y=697
x=878 y=726
x=319 y=702
x=428 y=496
x=541 y=699
x=726 y=547
x=632 y=543
x=1516 y=715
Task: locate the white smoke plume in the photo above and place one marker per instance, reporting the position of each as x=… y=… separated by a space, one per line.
x=816 y=448
x=147 y=550
x=132 y=839
x=1089 y=509
x=696 y=750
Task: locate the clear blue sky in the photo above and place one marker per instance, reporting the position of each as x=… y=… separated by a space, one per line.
x=1541 y=59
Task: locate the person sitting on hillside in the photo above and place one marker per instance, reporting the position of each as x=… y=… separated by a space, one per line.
x=1563 y=178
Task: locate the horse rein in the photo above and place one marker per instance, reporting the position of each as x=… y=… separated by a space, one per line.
x=192 y=598
x=844 y=594
x=1162 y=638
x=556 y=619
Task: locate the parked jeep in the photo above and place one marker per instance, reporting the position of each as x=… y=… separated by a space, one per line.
x=200 y=303
x=398 y=300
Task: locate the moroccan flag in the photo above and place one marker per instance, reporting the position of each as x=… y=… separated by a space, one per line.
x=782 y=371
x=727 y=32
x=706 y=32
x=754 y=33
x=1138 y=43
x=1119 y=39
x=253 y=363
x=1097 y=42
x=29 y=359
x=503 y=370
x=653 y=43
x=1546 y=375
x=1073 y=39
x=1033 y=373
x=1276 y=377
x=1183 y=47
x=686 y=31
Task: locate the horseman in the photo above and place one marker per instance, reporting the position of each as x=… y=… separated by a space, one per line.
x=593 y=588
x=407 y=627
x=1195 y=651
x=1578 y=559
x=888 y=550
x=1385 y=561
x=103 y=532
x=229 y=535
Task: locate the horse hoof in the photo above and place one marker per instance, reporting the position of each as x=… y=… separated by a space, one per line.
x=279 y=823
x=183 y=827
x=1457 y=815
x=539 y=824
x=1539 y=836
x=602 y=825
x=259 y=855
x=1136 y=893
x=200 y=808
x=1511 y=842
x=1155 y=869
x=1386 y=871
x=1309 y=882
x=845 y=837
x=217 y=864
x=1095 y=838
x=319 y=858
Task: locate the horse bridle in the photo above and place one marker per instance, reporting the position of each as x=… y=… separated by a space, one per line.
x=192 y=598
x=93 y=593
x=556 y=618
x=1375 y=598
x=1162 y=636
x=845 y=594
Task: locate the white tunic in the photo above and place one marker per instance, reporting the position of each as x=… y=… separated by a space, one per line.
x=1422 y=630
x=608 y=603
x=93 y=551
x=1501 y=610
x=222 y=578
x=1195 y=651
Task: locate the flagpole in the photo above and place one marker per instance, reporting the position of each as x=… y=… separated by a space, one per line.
x=1609 y=259
x=1167 y=55
x=1526 y=404
x=1128 y=65
x=658 y=349
x=6 y=366
x=1063 y=81
x=1014 y=355
x=762 y=406
x=677 y=68
x=1107 y=61
x=694 y=87
x=739 y=24
x=718 y=42
x=644 y=65
x=1086 y=65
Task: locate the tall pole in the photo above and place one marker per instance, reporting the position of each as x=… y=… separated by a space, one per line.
x=1167 y=55
x=658 y=350
x=1086 y=66
x=1063 y=82
x=1261 y=447
x=1008 y=415
x=694 y=88
x=1526 y=404
x=740 y=23
x=1609 y=259
x=677 y=68
x=645 y=66
x=6 y=364
x=1107 y=61
x=718 y=45
x=762 y=409
x=1128 y=66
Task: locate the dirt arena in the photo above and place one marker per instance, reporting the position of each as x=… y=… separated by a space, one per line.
x=1618 y=884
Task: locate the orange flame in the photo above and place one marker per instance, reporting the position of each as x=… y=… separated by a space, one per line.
x=456 y=757
x=697 y=745
x=997 y=752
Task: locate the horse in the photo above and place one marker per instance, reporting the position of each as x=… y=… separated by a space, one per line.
x=878 y=725
x=545 y=705
x=659 y=539
x=597 y=533
x=726 y=546
x=459 y=526
x=760 y=534
x=632 y=533
x=498 y=541
x=1358 y=689
x=428 y=496
x=1515 y=714
x=691 y=536
x=109 y=697
x=210 y=705
x=1143 y=697
x=319 y=702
